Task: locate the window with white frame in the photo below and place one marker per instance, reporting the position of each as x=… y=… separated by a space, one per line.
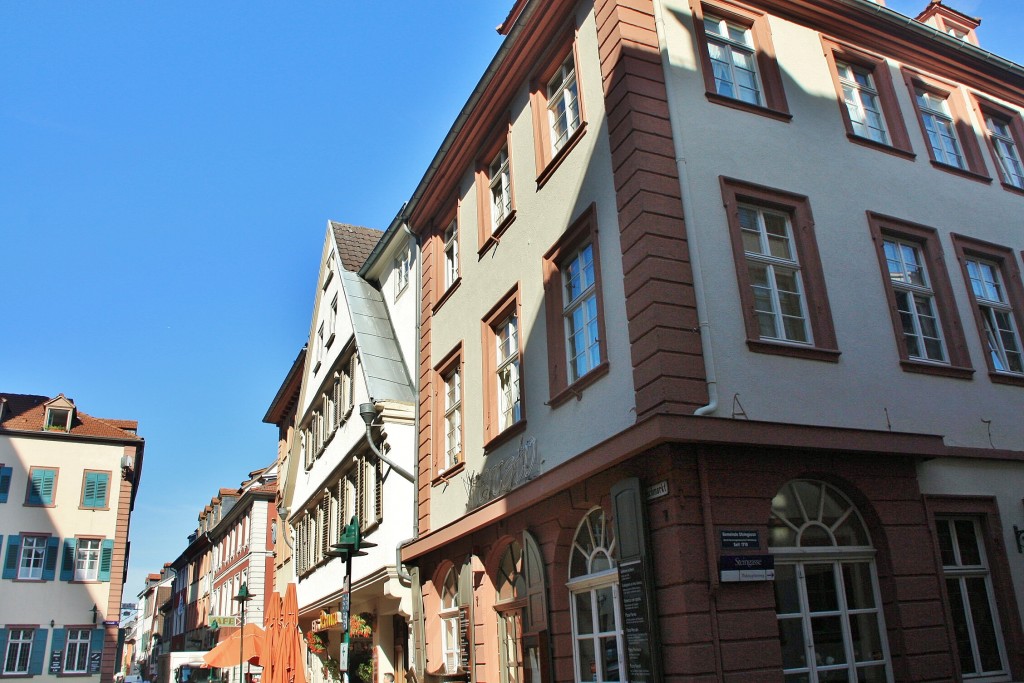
x=33 y=555
x=598 y=642
x=581 y=312
x=499 y=180
x=509 y=604
x=827 y=600
x=403 y=270
x=332 y=321
x=862 y=102
x=506 y=336
x=318 y=358
x=1002 y=337
x=19 y=651
x=733 y=60
x=449 y=614
x=915 y=300
x=969 y=588
x=938 y=124
x=774 y=274
x=76 y=661
x=58 y=419
x=1006 y=150
x=563 y=103
x=453 y=417
x=451 y=253
x=87 y=559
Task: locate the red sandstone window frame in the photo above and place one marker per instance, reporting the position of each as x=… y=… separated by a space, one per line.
x=965 y=133
x=772 y=90
x=489 y=234
x=547 y=160
x=958 y=362
x=985 y=107
x=819 y=312
x=1003 y=258
x=454 y=361
x=985 y=510
x=899 y=139
x=493 y=435
x=445 y=289
x=583 y=230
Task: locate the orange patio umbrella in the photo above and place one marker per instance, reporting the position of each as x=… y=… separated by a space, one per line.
x=293 y=668
x=229 y=652
x=271 y=663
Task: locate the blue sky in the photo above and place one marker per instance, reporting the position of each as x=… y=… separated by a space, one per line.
x=166 y=174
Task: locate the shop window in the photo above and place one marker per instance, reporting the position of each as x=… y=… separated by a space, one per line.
x=598 y=642
x=826 y=587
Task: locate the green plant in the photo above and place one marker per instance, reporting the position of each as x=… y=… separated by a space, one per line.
x=365 y=672
x=332 y=670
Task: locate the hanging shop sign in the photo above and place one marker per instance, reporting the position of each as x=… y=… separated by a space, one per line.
x=329 y=621
x=733 y=568
x=222 y=621
x=740 y=540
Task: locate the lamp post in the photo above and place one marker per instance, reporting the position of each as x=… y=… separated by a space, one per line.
x=242 y=598
x=348 y=546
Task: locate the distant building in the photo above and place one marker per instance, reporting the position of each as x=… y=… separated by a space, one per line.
x=68 y=482
x=150 y=630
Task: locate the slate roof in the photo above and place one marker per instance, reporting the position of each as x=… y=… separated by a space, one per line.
x=354 y=243
x=26 y=413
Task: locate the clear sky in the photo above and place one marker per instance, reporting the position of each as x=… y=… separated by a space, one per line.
x=167 y=170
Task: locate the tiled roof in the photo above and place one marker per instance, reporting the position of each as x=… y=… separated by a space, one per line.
x=27 y=413
x=354 y=243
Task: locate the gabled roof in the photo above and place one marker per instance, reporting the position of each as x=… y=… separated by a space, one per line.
x=354 y=243
x=379 y=354
x=27 y=413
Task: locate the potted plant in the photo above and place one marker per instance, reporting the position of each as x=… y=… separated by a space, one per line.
x=315 y=643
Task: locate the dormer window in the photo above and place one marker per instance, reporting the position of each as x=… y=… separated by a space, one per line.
x=59 y=413
x=949 y=21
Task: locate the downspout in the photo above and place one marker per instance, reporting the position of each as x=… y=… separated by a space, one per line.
x=693 y=244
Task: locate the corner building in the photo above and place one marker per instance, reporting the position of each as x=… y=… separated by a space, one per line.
x=720 y=363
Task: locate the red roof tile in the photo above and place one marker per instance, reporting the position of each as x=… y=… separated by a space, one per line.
x=354 y=243
x=27 y=413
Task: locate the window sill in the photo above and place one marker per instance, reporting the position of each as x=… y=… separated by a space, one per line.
x=1006 y=378
x=330 y=340
x=446 y=476
x=447 y=294
x=495 y=236
x=316 y=368
x=747 y=107
x=924 y=368
x=963 y=172
x=505 y=436
x=577 y=387
x=1013 y=188
x=39 y=505
x=794 y=351
x=556 y=160
x=94 y=508
x=881 y=146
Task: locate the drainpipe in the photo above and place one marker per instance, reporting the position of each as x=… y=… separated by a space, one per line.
x=711 y=376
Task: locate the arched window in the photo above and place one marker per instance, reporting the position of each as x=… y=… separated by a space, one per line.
x=450 y=621
x=826 y=588
x=598 y=644
x=511 y=599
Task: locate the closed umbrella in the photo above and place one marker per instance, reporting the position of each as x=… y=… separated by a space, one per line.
x=271 y=663
x=293 y=655
x=228 y=653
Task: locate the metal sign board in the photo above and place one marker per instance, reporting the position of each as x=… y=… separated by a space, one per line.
x=740 y=540
x=343 y=657
x=733 y=568
x=658 y=490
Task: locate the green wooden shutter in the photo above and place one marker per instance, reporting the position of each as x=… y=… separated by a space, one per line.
x=41 y=487
x=57 y=645
x=94 y=494
x=50 y=559
x=38 y=655
x=5 y=483
x=96 y=641
x=11 y=563
x=536 y=591
x=106 y=559
x=3 y=645
x=67 y=565
x=102 y=484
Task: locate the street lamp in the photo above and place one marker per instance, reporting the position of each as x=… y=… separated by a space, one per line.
x=242 y=598
x=350 y=545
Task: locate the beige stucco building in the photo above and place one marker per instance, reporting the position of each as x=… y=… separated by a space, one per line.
x=67 y=487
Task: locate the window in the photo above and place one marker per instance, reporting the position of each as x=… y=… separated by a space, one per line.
x=558 y=117
x=403 y=270
x=5 y=482
x=495 y=201
x=782 y=286
x=1005 y=137
x=332 y=321
x=827 y=601
x=451 y=253
x=867 y=100
x=58 y=419
x=76 y=661
x=511 y=598
x=319 y=348
x=598 y=642
x=509 y=403
x=95 y=486
x=994 y=286
x=42 y=486
x=971 y=601
x=33 y=556
x=738 y=59
x=19 y=650
x=449 y=371
x=87 y=559
x=951 y=141
x=928 y=332
x=502 y=363
x=450 y=622
x=572 y=291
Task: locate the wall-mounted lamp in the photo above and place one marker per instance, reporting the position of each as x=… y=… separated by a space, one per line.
x=127 y=465
x=52 y=623
x=1019 y=535
x=95 y=612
